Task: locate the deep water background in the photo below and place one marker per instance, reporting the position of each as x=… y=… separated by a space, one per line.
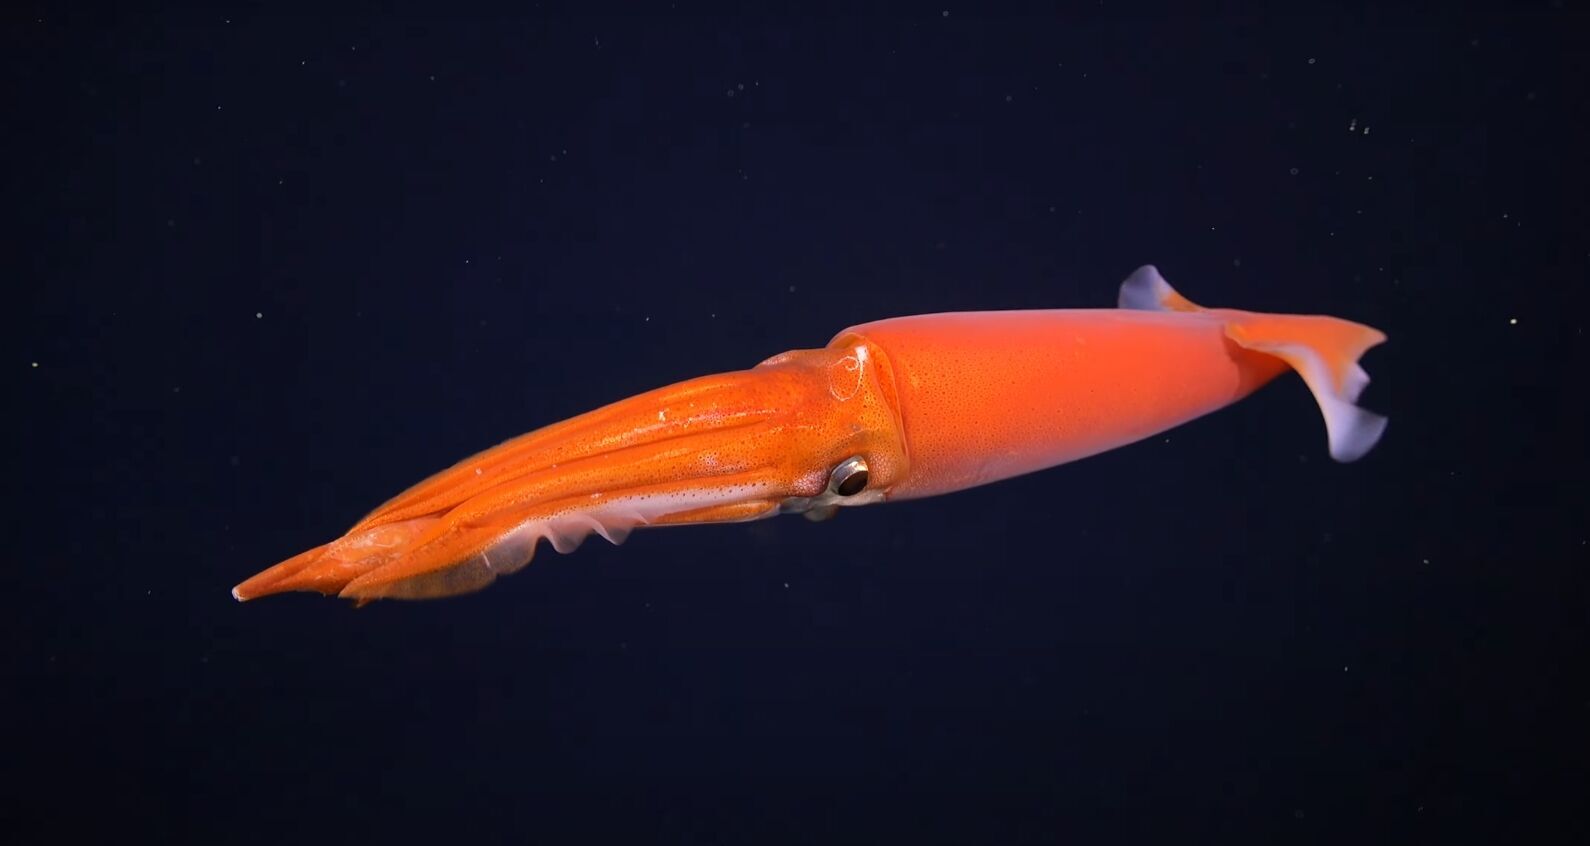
x=267 y=270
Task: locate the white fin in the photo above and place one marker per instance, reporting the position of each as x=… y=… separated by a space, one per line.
x=1146 y=290
x=1324 y=351
x=1351 y=431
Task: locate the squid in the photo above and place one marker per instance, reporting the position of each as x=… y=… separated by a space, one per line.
x=891 y=410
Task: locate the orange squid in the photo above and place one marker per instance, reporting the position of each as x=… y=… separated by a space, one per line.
x=896 y=409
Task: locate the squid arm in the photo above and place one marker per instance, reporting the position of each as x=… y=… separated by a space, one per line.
x=890 y=410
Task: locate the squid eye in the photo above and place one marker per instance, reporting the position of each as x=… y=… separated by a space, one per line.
x=850 y=477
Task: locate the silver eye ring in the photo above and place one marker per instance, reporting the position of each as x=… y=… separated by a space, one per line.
x=849 y=477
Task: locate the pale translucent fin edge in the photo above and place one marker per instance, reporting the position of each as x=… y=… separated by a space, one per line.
x=1350 y=430
x=1145 y=290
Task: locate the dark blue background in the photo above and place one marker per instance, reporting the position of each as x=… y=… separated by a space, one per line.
x=268 y=270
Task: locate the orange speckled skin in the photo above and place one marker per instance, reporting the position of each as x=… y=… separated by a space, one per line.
x=985 y=396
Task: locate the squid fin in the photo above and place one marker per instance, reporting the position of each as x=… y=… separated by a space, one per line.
x=1146 y=290
x=1323 y=350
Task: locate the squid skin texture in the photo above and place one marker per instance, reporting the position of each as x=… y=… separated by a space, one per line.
x=929 y=404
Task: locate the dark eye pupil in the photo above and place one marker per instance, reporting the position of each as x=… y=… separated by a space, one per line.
x=853 y=484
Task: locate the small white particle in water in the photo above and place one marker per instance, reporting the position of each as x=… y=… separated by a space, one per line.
x=786 y=584
x=1512 y=321
x=946 y=14
x=1311 y=60
x=792 y=289
x=1344 y=669
x=35 y=364
x=259 y=315
x=1293 y=171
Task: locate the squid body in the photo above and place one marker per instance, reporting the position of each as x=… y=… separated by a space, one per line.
x=892 y=410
